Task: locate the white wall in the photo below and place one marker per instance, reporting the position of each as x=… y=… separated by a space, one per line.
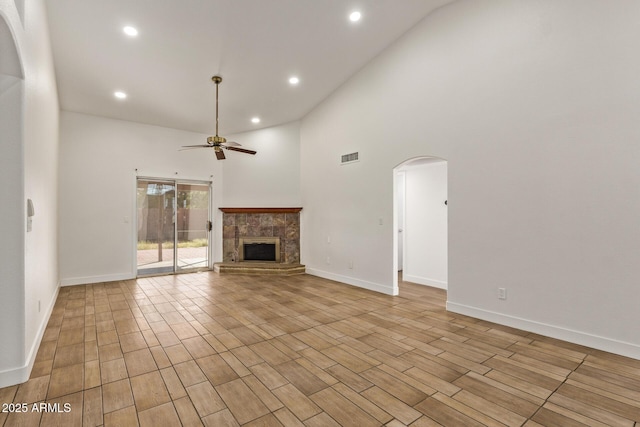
x=98 y=159
x=31 y=145
x=271 y=178
x=425 y=229
x=41 y=170
x=535 y=106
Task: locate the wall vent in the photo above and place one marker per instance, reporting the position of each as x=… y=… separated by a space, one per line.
x=349 y=158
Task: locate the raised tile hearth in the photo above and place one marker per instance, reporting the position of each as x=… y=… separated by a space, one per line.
x=269 y=268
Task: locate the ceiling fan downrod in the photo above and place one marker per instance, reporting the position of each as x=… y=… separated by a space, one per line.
x=217 y=80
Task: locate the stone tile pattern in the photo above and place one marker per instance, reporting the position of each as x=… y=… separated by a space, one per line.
x=286 y=226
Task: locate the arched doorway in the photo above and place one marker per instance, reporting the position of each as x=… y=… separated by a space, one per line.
x=12 y=207
x=420 y=221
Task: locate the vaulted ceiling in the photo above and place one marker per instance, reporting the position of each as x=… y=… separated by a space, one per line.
x=255 y=45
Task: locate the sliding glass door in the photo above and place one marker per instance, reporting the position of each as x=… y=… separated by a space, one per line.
x=156 y=230
x=192 y=226
x=173 y=226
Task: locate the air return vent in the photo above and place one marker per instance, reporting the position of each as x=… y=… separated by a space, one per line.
x=349 y=158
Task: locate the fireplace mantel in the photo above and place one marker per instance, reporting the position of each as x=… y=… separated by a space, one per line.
x=260 y=210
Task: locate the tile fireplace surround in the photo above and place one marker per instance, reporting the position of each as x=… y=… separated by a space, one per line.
x=262 y=222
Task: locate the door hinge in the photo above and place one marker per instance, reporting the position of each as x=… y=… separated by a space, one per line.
x=209 y=226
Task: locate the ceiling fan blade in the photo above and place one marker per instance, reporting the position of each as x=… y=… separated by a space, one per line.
x=231 y=144
x=190 y=148
x=220 y=155
x=242 y=150
x=197 y=146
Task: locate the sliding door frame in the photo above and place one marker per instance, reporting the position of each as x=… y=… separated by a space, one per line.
x=175 y=182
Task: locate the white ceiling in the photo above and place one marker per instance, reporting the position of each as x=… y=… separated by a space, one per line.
x=255 y=45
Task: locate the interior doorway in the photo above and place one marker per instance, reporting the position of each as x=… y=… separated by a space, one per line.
x=174 y=226
x=400 y=206
x=421 y=222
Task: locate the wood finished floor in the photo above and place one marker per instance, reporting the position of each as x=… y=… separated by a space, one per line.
x=205 y=349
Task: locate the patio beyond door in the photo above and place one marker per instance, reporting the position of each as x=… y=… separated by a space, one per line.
x=173 y=226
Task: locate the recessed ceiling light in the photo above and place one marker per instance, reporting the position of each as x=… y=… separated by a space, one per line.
x=294 y=80
x=255 y=120
x=355 y=16
x=120 y=95
x=130 y=31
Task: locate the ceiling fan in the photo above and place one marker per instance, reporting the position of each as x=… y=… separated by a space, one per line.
x=219 y=142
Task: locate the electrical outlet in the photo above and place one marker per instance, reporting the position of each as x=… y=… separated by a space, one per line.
x=328 y=260
x=328 y=239
x=38 y=306
x=502 y=293
x=350 y=265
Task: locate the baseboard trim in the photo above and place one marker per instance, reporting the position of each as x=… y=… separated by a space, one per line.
x=73 y=281
x=21 y=374
x=594 y=341
x=352 y=281
x=424 y=281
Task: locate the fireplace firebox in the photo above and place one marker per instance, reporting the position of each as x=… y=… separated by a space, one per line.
x=259 y=249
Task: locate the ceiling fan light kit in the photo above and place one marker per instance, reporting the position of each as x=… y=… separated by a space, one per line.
x=218 y=142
